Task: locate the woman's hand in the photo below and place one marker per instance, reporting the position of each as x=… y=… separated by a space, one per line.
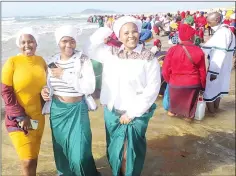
x=25 y=124
x=57 y=72
x=45 y=94
x=124 y=119
x=212 y=77
x=106 y=40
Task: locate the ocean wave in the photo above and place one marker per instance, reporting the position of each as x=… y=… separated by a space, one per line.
x=8 y=18
x=88 y=26
x=10 y=28
x=6 y=37
x=29 y=18
x=8 y=22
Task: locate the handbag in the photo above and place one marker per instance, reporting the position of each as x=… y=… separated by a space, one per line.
x=92 y=106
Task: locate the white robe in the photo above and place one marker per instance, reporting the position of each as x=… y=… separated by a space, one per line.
x=130 y=85
x=220 y=48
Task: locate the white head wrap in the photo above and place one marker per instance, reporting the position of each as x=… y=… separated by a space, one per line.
x=99 y=35
x=123 y=20
x=67 y=31
x=232 y=16
x=26 y=30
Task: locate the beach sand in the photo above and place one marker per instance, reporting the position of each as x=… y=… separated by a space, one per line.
x=174 y=147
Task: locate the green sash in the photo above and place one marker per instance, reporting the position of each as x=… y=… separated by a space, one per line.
x=97 y=68
x=71 y=137
x=134 y=132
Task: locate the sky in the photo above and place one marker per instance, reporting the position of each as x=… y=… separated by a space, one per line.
x=10 y=9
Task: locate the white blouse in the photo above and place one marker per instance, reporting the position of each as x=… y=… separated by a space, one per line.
x=75 y=81
x=129 y=83
x=81 y=79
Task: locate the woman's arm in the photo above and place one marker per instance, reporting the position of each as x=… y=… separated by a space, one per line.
x=166 y=67
x=12 y=107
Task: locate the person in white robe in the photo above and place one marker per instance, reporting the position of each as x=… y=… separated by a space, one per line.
x=219 y=48
x=130 y=85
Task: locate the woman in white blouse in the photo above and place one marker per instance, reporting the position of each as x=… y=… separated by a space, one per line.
x=70 y=77
x=130 y=85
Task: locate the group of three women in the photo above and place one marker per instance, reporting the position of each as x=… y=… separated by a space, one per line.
x=130 y=85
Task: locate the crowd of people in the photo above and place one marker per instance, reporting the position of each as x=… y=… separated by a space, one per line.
x=131 y=81
x=168 y=23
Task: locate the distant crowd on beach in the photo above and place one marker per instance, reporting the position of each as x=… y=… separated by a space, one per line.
x=169 y=22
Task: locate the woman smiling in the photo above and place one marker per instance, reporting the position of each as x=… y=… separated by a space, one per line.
x=70 y=78
x=23 y=77
x=130 y=85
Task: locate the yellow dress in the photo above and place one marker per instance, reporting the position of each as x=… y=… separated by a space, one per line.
x=27 y=75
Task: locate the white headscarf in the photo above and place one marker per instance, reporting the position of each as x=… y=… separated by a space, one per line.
x=26 y=30
x=67 y=31
x=232 y=16
x=99 y=35
x=123 y=20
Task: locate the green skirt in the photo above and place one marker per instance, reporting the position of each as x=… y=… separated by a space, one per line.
x=97 y=68
x=72 y=137
x=134 y=133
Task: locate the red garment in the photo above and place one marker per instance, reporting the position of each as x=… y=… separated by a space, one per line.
x=182 y=15
x=201 y=21
x=157 y=42
x=13 y=109
x=183 y=102
x=233 y=29
x=177 y=69
x=227 y=22
x=114 y=41
x=186 y=32
x=195 y=18
x=156 y=30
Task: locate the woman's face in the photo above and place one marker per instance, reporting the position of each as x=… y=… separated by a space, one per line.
x=129 y=35
x=67 y=46
x=27 y=45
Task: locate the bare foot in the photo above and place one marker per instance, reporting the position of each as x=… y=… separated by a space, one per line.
x=210 y=114
x=188 y=120
x=171 y=114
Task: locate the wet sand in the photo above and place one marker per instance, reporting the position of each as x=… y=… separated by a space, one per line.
x=174 y=147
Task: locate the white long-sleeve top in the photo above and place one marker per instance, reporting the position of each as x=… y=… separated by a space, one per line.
x=76 y=80
x=129 y=83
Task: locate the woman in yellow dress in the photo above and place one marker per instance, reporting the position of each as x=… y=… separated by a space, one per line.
x=23 y=77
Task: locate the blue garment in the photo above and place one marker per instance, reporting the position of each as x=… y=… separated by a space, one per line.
x=166 y=99
x=147 y=25
x=174 y=38
x=145 y=35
